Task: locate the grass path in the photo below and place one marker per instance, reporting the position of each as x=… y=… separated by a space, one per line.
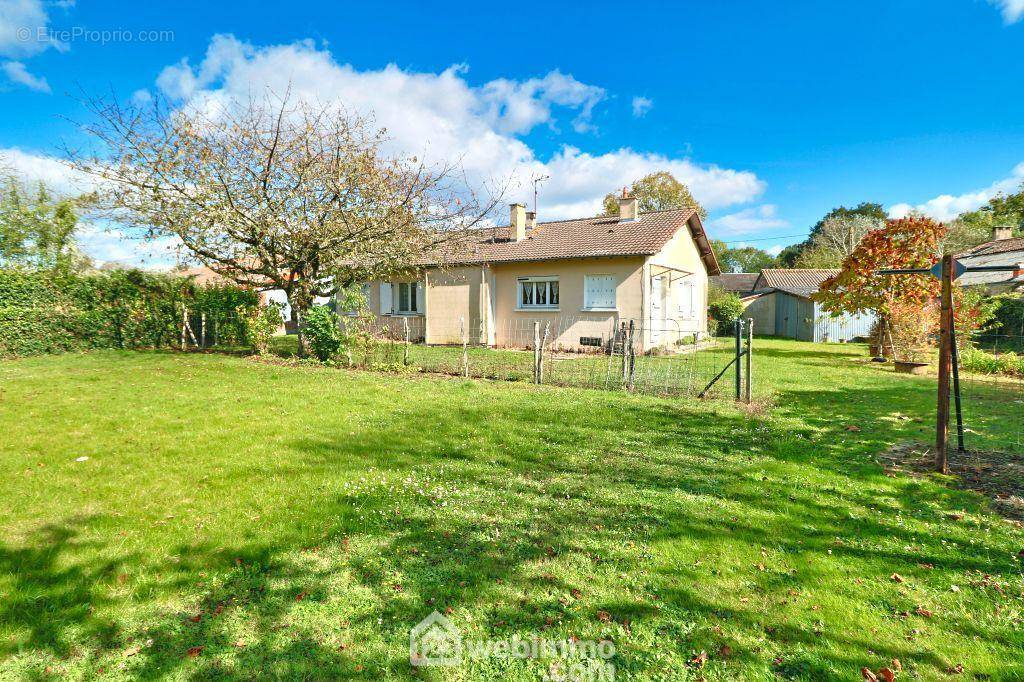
x=236 y=519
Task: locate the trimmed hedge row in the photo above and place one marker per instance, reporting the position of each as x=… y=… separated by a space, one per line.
x=46 y=312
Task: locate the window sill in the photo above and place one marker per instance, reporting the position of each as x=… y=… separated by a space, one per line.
x=599 y=310
x=538 y=309
x=403 y=314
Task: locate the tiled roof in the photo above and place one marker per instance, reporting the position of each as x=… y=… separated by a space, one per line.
x=736 y=282
x=578 y=238
x=801 y=282
x=998 y=246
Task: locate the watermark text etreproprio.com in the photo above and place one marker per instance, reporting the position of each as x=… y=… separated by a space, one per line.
x=82 y=34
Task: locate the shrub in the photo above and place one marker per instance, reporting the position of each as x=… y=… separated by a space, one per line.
x=982 y=362
x=260 y=325
x=321 y=332
x=726 y=310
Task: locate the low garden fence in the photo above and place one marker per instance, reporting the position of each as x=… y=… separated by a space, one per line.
x=989 y=387
x=662 y=358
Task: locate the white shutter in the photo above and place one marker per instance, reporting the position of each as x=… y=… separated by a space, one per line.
x=385 y=298
x=599 y=291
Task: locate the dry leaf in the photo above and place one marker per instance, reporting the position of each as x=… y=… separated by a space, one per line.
x=897 y=665
x=886 y=675
x=195 y=651
x=896 y=578
x=922 y=611
x=699 y=660
x=868 y=675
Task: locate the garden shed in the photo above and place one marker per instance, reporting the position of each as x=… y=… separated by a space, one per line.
x=781 y=305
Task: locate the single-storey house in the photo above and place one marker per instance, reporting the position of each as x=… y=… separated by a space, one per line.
x=581 y=279
x=1004 y=249
x=780 y=304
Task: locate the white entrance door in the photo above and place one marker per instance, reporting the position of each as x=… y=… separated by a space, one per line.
x=657 y=320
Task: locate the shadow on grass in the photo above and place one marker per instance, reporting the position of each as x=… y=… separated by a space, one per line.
x=525 y=504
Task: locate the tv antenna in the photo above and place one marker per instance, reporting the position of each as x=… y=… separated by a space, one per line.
x=536 y=180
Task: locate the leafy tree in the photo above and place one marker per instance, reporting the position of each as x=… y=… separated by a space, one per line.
x=275 y=195
x=791 y=255
x=36 y=229
x=656 y=192
x=743 y=258
x=975 y=227
x=836 y=238
x=726 y=309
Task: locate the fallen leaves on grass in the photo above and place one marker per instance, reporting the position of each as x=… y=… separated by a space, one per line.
x=698 y=660
x=194 y=651
x=896 y=578
x=922 y=611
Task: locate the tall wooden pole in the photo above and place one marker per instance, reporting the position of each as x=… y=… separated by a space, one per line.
x=749 y=358
x=738 y=332
x=945 y=364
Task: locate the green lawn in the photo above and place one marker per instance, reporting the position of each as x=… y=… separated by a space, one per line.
x=241 y=519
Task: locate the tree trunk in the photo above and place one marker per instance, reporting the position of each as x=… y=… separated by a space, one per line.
x=300 y=302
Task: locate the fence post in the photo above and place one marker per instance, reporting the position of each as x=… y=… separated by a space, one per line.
x=405 y=355
x=738 y=333
x=625 y=356
x=216 y=341
x=750 y=352
x=945 y=356
x=465 y=342
x=537 y=352
x=184 y=323
x=540 y=357
x=632 y=357
x=202 y=329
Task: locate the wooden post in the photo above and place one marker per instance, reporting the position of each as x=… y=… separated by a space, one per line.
x=216 y=340
x=632 y=356
x=184 y=324
x=750 y=352
x=405 y=355
x=465 y=342
x=738 y=332
x=625 y=354
x=537 y=352
x=540 y=361
x=945 y=356
x=202 y=329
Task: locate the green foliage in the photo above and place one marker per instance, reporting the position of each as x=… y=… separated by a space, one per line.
x=43 y=311
x=656 y=192
x=321 y=331
x=36 y=229
x=1007 y=315
x=983 y=362
x=1001 y=210
x=726 y=309
x=742 y=259
x=260 y=325
x=790 y=256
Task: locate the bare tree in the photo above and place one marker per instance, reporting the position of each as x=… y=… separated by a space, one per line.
x=837 y=238
x=275 y=194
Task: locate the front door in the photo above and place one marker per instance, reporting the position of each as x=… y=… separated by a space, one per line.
x=657 y=309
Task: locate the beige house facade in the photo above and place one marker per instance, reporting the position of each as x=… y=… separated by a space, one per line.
x=579 y=280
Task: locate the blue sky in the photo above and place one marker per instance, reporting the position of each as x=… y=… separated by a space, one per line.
x=772 y=112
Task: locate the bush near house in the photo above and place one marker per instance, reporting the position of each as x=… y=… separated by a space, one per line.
x=44 y=311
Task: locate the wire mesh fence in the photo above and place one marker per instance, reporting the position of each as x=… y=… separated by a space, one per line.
x=669 y=357
x=991 y=393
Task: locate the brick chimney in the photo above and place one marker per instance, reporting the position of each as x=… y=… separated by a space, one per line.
x=1002 y=232
x=628 y=208
x=517 y=222
x=531 y=221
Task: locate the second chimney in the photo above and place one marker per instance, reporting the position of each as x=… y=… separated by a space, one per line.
x=628 y=209
x=517 y=222
x=1002 y=232
x=531 y=221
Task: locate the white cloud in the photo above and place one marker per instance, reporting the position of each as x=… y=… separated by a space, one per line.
x=32 y=168
x=1012 y=10
x=443 y=116
x=641 y=105
x=105 y=242
x=24 y=32
x=17 y=73
x=948 y=206
x=774 y=250
x=748 y=221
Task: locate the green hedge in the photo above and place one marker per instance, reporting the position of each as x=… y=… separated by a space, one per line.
x=46 y=312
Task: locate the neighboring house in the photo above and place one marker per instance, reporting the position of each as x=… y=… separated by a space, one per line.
x=780 y=305
x=1004 y=249
x=739 y=283
x=583 y=277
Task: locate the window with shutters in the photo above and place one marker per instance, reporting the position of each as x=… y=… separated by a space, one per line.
x=685 y=300
x=599 y=292
x=409 y=295
x=538 y=293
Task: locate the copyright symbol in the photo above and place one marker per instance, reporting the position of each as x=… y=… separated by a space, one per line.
x=24 y=33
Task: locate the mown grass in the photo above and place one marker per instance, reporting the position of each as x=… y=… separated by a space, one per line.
x=239 y=519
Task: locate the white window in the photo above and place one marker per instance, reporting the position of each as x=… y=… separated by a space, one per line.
x=685 y=300
x=538 y=292
x=599 y=292
x=409 y=295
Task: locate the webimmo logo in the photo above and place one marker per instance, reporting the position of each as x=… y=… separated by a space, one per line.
x=435 y=641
